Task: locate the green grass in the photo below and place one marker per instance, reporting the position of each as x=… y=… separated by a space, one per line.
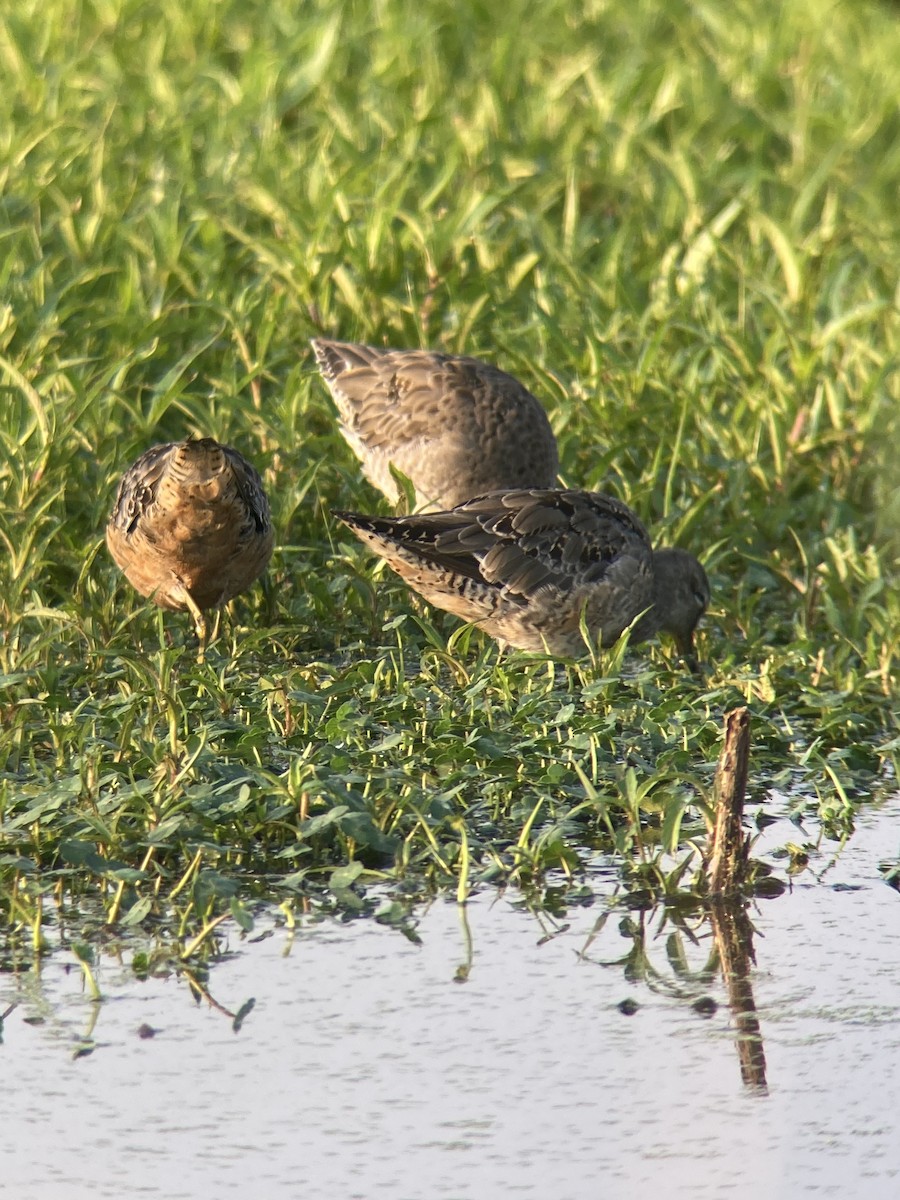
x=677 y=226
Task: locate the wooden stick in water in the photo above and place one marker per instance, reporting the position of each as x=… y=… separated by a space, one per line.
x=728 y=857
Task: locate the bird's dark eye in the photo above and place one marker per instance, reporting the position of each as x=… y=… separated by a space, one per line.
x=701 y=598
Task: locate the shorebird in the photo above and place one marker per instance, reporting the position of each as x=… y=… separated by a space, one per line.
x=528 y=566
x=190 y=527
x=455 y=426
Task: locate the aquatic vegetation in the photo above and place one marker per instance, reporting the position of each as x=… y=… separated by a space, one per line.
x=679 y=231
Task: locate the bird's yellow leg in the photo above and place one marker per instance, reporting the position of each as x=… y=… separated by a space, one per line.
x=199 y=622
x=214 y=632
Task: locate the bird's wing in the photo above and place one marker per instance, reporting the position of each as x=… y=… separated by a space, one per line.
x=250 y=489
x=519 y=542
x=138 y=487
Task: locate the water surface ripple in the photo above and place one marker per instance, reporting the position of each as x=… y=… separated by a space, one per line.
x=365 y=1070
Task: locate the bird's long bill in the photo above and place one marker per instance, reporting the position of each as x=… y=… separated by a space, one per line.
x=686 y=649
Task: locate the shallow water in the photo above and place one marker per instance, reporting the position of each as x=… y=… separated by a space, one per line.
x=366 y=1070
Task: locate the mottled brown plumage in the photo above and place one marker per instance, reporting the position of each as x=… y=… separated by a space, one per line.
x=527 y=565
x=190 y=527
x=455 y=426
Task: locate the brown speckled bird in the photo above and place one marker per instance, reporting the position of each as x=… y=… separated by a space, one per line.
x=526 y=565
x=190 y=527
x=455 y=426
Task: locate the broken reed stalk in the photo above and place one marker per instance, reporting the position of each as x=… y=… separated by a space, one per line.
x=728 y=856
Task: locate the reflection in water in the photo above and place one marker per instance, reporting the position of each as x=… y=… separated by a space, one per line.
x=526 y=1082
x=201 y=993
x=734 y=942
x=732 y=933
x=465 y=967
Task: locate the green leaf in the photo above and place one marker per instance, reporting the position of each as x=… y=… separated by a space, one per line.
x=242 y=1013
x=83 y=854
x=323 y=821
x=241 y=916
x=344 y=876
x=138 y=911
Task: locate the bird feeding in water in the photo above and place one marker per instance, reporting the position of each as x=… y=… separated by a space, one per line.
x=528 y=566
x=190 y=527
x=456 y=427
